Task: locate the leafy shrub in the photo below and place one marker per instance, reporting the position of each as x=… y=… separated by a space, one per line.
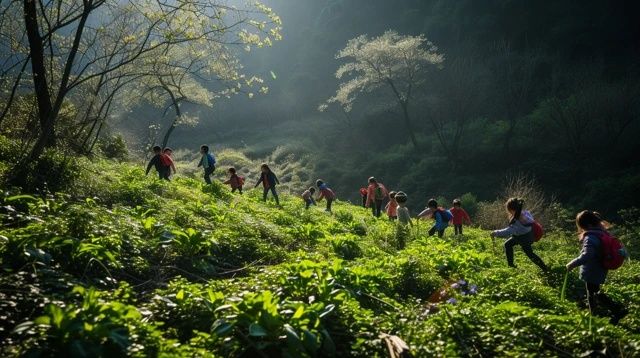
x=54 y=171
x=96 y=327
x=113 y=147
x=469 y=203
x=346 y=247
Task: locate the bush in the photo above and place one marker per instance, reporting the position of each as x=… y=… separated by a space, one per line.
x=54 y=171
x=114 y=147
x=492 y=215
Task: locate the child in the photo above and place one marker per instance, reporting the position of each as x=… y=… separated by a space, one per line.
x=440 y=215
x=404 y=219
x=156 y=161
x=363 y=194
x=236 y=182
x=520 y=233
x=269 y=181
x=592 y=227
x=459 y=216
x=403 y=212
x=307 y=196
x=392 y=206
x=376 y=192
x=167 y=161
x=208 y=162
x=325 y=192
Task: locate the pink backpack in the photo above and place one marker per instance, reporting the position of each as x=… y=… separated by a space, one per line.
x=613 y=252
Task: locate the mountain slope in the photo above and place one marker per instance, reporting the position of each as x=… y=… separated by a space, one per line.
x=122 y=264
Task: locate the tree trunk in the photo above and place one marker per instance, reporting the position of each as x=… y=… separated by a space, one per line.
x=39 y=74
x=176 y=105
x=407 y=123
x=48 y=110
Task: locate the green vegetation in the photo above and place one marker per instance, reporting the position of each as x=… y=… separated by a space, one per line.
x=117 y=264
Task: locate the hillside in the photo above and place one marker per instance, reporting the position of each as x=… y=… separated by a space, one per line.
x=120 y=264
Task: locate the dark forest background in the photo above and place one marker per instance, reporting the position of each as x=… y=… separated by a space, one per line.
x=548 y=89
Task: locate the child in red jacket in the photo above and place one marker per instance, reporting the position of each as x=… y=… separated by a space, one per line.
x=235 y=181
x=326 y=193
x=459 y=216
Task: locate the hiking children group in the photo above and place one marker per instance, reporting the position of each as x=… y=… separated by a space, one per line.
x=600 y=252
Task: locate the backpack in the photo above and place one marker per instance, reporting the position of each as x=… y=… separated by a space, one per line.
x=240 y=180
x=211 y=160
x=537 y=230
x=378 y=193
x=445 y=215
x=613 y=252
x=165 y=160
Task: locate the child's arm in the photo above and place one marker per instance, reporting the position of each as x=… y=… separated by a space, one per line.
x=466 y=217
x=228 y=181
x=589 y=251
x=151 y=163
x=259 y=181
x=173 y=165
x=438 y=220
x=369 y=196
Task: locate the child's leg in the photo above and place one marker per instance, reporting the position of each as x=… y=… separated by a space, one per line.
x=207 y=174
x=275 y=195
x=441 y=233
x=307 y=203
x=432 y=231
x=240 y=190
x=329 y=201
x=525 y=243
x=265 y=191
x=592 y=291
x=508 y=250
x=364 y=201
x=460 y=229
x=233 y=190
x=378 y=208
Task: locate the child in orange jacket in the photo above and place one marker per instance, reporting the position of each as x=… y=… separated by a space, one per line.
x=392 y=206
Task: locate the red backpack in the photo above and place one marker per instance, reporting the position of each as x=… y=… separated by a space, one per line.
x=240 y=180
x=537 y=230
x=165 y=160
x=613 y=252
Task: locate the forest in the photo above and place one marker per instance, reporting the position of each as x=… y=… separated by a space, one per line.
x=273 y=179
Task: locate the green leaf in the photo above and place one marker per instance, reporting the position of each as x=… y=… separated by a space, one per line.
x=180 y=295
x=273 y=75
x=256 y=330
x=22 y=327
x=299 y=312
x=21 y=197
x=220 y=327
x=327 y=310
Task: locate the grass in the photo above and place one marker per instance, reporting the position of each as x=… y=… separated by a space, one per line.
x=125 y=265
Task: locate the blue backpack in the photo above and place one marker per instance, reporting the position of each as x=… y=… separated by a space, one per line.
x=211 y=160
x=445 y=215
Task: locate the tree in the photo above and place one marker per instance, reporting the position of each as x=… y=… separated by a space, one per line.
x=514 y=78
x=391 y=61
x=461 y=91
x=196 y=74
x=65 y=52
